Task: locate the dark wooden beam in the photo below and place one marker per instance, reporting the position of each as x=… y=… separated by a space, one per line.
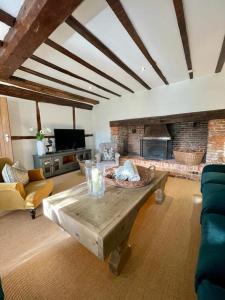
x=221 y=59
x=36 y=20
x=121 y=14
x=1 y=43
x=33 y=137
x=38 y=116
x=91 y=38
x=170 y=119
x=8 y=90
x=179 y=9
x=57 y=68
x=76 y=58
x=31 y=85
x=74 y=117
x=7 y=18
x=41 y=75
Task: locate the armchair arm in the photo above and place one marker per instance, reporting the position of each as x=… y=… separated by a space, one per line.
x=36 y=174
x=98 y=157
x=117 y=158
x=12 y=196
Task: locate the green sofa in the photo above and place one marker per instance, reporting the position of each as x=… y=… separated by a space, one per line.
x=210 y=273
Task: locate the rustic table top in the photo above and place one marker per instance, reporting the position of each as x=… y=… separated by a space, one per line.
x=91 y=220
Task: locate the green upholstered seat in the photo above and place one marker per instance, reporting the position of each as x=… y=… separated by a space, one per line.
x=213 y=177
x=211 y=262
x=213 y=203
x=210 y=291
x=214 y=168
x=212 y=189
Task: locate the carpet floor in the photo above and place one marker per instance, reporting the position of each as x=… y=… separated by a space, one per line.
x=40 y=261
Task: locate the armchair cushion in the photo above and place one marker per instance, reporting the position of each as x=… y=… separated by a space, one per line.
x=108 y=154
x=36 y=174
x=12 y=174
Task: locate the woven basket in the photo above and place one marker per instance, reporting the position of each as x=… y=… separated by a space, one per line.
x=189 y=158
x=146 y=175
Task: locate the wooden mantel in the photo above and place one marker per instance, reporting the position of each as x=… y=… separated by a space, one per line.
x=169 y=119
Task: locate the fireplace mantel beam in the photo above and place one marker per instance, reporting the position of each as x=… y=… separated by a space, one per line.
x=169 y=119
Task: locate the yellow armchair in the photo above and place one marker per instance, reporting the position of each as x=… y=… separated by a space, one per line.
x=17 y=196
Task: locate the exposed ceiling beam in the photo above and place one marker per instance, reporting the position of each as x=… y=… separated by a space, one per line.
x=221 y=59
x=7 y=18
x=41 y=75
x=36 y=20
x=91 y=38
x=121 y=14
x=9 y=90
x=41 y=88
x=76 y=58
x=179 y=9
x=57 y=68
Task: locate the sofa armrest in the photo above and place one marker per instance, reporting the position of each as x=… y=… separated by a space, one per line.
x=214 y=168
x=117 y=158
x=98 y=157
x=36 y=174
x=12 y=196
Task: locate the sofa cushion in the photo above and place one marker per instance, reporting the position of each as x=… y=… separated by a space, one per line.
x=213 y=177
x=212 y=189
x=210 y=291
x=211 y=260
x=214 y=203
x=36 y=191
x=214 y=168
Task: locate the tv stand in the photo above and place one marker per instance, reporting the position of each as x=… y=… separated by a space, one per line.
x=61 y=162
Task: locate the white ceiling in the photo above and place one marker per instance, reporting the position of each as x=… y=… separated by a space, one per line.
x=155 y=22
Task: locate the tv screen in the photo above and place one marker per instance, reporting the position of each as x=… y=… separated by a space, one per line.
x=66 y=139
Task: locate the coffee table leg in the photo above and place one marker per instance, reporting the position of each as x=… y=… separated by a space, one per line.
x=119 y=257
x=159 y=196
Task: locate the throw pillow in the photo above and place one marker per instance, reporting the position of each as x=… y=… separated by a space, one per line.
x=108 y=154
x=11 y=174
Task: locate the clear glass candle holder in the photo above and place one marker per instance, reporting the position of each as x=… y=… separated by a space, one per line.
x=95 y=180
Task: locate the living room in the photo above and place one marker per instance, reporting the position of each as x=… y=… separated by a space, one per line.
x=112 y=149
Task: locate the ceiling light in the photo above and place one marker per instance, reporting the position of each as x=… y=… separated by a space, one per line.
x=190 y=71
x=90 y=87
x=142 y=69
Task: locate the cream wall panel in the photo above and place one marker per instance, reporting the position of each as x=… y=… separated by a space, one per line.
x=84 y=120
x=56 y=116
x=22 y=116
x=23 y=151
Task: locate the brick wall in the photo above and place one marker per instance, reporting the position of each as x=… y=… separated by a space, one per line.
x=189 y=135
x=216 y=141
x=135 y=133
x=119 y=135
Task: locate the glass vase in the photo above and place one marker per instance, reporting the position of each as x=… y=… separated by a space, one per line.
x=95 y=180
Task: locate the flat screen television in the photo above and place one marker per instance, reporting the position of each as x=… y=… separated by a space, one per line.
x=66 y=139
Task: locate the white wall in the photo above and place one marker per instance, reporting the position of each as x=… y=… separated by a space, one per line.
x=22 y=115
x=205 y=93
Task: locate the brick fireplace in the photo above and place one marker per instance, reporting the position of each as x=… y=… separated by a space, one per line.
x=206 y=135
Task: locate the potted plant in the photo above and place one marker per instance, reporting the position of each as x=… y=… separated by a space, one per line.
x=40 y=135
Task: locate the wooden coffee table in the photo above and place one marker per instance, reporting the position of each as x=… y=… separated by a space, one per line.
x=102 y=225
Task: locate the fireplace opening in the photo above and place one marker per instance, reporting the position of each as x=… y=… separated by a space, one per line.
x=156 y=143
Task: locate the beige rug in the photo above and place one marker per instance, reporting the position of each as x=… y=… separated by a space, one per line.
x=40 y=261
